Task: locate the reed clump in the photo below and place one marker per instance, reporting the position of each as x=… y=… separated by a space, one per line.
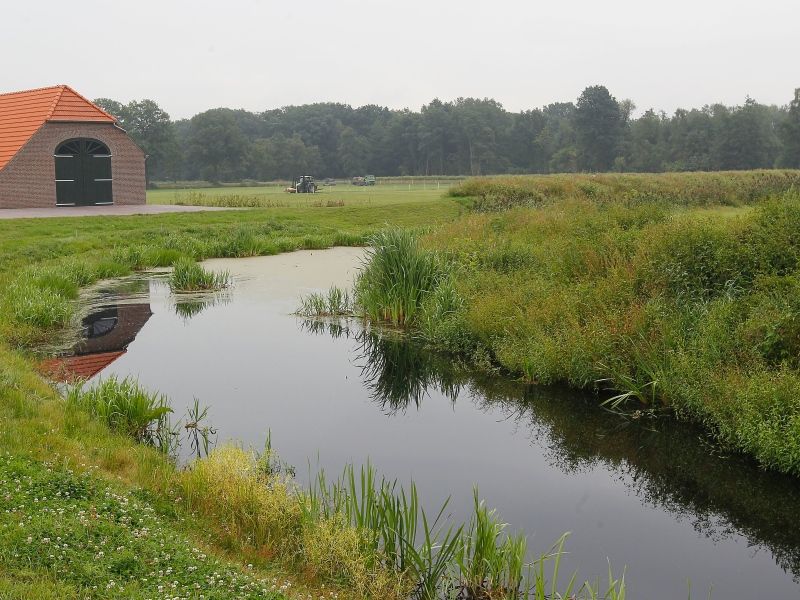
x=189 y=276
x=396 y=277
x=127 y=408
x=336 y=302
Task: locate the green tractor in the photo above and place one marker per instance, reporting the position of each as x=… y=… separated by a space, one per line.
x=303 y=185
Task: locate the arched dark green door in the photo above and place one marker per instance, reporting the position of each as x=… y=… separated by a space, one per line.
x=83 y=173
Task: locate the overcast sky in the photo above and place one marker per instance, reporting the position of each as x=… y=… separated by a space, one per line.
x=193 y=55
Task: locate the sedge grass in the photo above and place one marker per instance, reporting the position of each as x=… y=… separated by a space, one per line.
x=397 y=275
x=127 y=408
x=189 y=276
x=336 y=302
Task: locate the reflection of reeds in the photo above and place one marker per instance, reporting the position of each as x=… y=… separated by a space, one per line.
x=335 y=329
x=399 y=373
x=188 y=307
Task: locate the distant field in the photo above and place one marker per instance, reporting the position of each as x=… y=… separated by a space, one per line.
x=269 y=196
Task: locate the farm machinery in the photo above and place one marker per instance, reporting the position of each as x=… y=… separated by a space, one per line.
x=302 y=185
x=365 y=180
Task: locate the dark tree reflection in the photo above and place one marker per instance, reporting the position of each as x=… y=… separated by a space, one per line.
x=666 y=464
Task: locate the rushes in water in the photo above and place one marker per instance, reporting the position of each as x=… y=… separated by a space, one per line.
x=127 y=408
x=438 y=558
x=396 y=277
x=189 y=276
x=337 y=302
x=489 y=565
x=201 y=436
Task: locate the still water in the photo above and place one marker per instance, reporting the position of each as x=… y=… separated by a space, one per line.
x=647 y=495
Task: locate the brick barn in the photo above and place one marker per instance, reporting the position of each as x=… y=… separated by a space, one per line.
x=59 y=149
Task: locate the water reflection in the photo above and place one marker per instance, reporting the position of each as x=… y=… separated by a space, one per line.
x=188 y=306
x=105 y=335
x=666 y=464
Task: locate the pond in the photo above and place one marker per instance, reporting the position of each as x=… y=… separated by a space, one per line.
x=649 y=495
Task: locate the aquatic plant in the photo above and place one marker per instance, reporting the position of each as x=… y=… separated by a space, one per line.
x=201 y=435
x=396 y=277
x=438 y=558
x=189 y=276
x=126 y=407
x=337 y=302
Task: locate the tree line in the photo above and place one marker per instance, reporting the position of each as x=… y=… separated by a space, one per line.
x=468 y=136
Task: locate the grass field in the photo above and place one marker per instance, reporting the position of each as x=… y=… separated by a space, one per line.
x=274 y=196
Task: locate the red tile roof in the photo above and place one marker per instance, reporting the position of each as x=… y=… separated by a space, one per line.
x=73 y=368
x=23 y=113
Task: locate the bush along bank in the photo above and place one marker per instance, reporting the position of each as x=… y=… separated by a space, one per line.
x=694 y=310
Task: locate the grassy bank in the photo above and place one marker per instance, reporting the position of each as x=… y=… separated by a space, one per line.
x=734 y=188
x=647 y=297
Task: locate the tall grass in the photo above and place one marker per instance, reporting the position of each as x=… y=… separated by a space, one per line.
x=127 y=408
x=37 y=306
x=336 y=302
x=674 y=189
x=397 y=275
x=681 y=309
x=189 y=276
x=437 y=558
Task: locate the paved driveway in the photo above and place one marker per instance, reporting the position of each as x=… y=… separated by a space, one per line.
x=106 y=211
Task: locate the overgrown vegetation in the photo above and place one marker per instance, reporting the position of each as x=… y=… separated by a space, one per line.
x=687 y=308
x=371 y=536
x=665 y=190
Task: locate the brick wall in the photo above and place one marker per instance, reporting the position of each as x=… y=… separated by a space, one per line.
x=28 y=180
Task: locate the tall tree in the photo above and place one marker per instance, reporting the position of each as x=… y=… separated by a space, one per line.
x=216 y=147
x=598 y=128
x=646 y=149
x=151 y=127
x=790 y=134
